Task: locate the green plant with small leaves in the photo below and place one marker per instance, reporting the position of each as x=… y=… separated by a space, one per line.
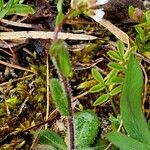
x=142 y=40
x=83 y=126
x=111 y=85
x=14 y=7
x=134 y=122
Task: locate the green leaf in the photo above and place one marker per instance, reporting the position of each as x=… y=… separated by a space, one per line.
x=49 y=137
x=55 y=48
x=125 y=142
x=59 y=19
x=147 y=14
x=111 y=76
x=64 y=62
x=117 y=66
x=114 y=55
x=130 y=107
x=97 y=88
x=117 y=80
x=86 y=128
x=140 y=31
x=121 y=48
x=21 y=9
x=5 y=10
x=1 y=4
x=97 y=76
x=131 y=11
x=60 y=16
x=116 y=90
x=102 y=99
x=59 y=96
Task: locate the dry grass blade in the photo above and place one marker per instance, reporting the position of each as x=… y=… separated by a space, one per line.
x=116 y=31
x=17 y=24
x=43 y=35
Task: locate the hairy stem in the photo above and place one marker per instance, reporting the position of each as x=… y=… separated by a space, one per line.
x=65 y=83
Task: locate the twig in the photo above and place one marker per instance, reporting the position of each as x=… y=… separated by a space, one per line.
x=12 y=52
x=88 y=66
x=14 y=66
x=15 y=80
x=24 y=103
x=79 y=96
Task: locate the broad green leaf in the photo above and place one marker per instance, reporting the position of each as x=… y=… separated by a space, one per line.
x=86 y=128
x=21 y=9
x=121 y=48
x=51 y=138
x=117 y=66
x=97 y=88
x=64 y=62
x=59 y=96
x=1 y=4
x=147 y=14
x=126 y=143
x=130 y=107
x=116 y=90
x=102 y=99
x=97 y=76
x=114 y=55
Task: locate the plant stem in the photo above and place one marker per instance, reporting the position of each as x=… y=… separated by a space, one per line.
x=65 y=83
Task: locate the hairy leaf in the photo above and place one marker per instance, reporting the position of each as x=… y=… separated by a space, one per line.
x=86 y=127
x=59 y=96
x=64 y=62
